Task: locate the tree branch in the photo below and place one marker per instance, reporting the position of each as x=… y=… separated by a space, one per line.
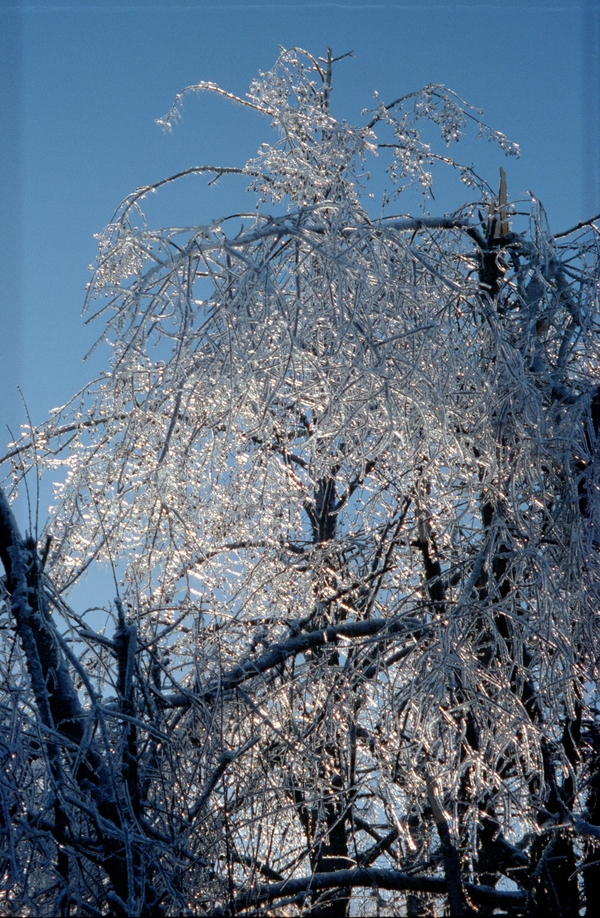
x=369 y=877
x=280 y=652
x=578 y=226
x=449 y=852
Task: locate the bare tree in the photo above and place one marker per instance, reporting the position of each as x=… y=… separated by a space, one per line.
x=346 y=472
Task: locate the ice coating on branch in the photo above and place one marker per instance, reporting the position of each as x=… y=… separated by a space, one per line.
x=315 y=155
x=317 y=420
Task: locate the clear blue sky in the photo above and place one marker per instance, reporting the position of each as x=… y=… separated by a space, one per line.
x=81 y=85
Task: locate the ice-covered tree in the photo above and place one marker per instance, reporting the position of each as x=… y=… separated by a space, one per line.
x=345 y=468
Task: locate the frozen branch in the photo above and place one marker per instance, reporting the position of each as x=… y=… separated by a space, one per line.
x=371 y=878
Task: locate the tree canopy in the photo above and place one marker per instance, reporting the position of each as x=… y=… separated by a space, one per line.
x=345 y=470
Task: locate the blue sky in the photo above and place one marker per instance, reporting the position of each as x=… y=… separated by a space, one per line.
x=81 y=85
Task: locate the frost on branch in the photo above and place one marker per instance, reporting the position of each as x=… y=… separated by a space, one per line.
x=346 y=470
